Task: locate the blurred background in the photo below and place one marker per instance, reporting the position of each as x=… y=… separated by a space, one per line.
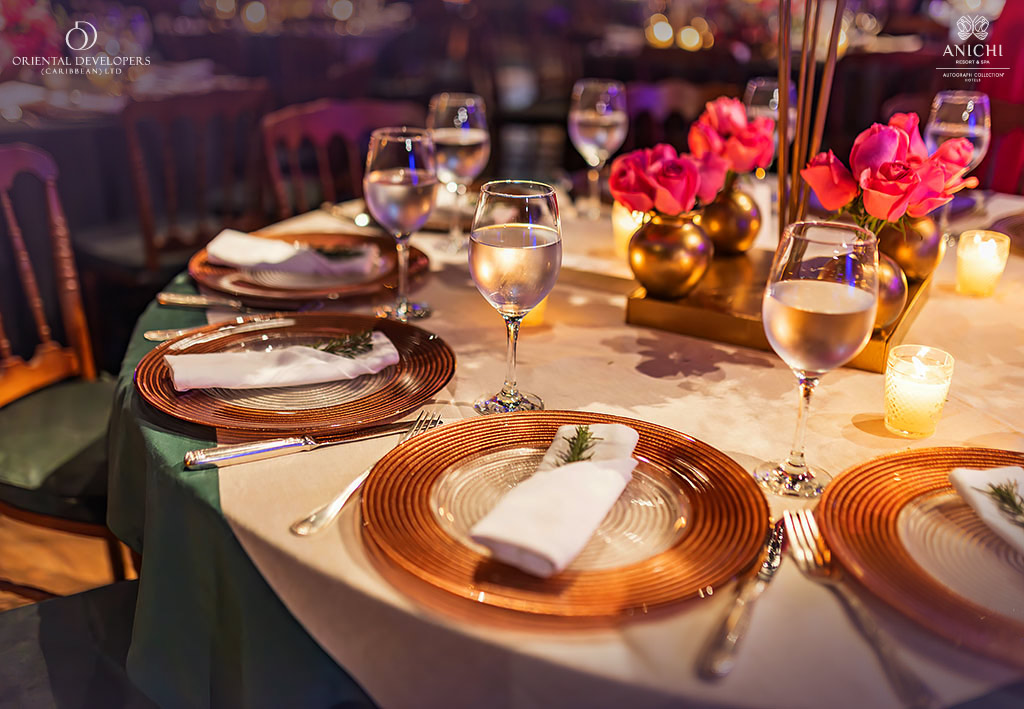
x=155 y=157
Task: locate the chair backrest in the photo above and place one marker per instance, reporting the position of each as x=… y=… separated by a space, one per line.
x=659 y=102
x=236 y=110
x=50 y=362
x=319 y=123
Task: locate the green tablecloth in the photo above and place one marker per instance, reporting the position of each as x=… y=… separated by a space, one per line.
x=209 y=631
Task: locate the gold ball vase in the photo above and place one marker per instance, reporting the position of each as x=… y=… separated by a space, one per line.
x=670 y=254
x=918 y=251
x=892 y=291
x=732 y=220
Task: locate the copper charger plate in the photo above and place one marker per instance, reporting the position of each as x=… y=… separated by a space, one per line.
x=237 y=283
x=426 y=364
x=720 y=535
x=861 y=514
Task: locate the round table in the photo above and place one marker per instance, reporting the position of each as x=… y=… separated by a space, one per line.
x=230 y=603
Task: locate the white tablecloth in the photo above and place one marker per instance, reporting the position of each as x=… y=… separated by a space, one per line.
x=801 y=650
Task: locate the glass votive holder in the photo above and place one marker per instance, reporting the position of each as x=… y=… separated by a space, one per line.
x=980 y=260
x=916 y=385
x=625 y=222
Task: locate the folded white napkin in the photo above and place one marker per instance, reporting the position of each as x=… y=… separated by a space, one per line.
x=280 y=367
x=972 y=485
x=255 y=253
x=544 y=522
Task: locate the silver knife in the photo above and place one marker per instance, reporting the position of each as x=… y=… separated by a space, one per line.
x=718 y=656
x=185 y=300
x=234 y=453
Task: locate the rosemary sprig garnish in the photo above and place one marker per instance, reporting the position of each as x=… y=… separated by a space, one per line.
x=338 y=253
x=351 y=346
x=1009 y=500
x=580 y=444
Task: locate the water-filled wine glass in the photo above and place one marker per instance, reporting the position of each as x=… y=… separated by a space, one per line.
x=959 y=114
x=515 y=253
x=458 y=125
x=400 y=186
x=761 y=98
x=818 y=312
x=597 y=127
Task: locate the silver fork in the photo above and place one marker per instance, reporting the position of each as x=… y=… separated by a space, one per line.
x=814 y=559
x=322 y=516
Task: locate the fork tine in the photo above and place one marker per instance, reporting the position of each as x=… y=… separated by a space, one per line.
x=819 y=540
x=411 y=431
x=813 y=547
x=796 y=538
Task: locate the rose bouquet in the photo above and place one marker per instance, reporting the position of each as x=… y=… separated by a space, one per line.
x=27 y=29
x=659 y=180
x=724 y=132
x=892 y=177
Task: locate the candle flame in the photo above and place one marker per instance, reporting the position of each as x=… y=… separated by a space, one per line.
x=920 y=368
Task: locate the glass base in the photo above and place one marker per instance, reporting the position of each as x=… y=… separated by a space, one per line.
x=412 y=311
x=779 y=479
x=499 y=404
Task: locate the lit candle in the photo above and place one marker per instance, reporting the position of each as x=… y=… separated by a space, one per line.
x=916 y=384
x=536 y=316
x=980 y=260
x=624 y=224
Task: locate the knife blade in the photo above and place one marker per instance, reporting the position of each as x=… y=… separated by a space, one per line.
x=234 y=453
x=185 y=300
x=718 y=656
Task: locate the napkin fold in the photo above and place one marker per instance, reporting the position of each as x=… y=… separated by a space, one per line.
x=255 y=253
x=544 y=522
x=972 y=485
x=279 y=367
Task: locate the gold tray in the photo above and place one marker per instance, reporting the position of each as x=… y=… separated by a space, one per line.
x=726 y=307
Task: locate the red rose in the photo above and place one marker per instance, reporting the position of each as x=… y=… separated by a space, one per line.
x=629 y=183
x=831 y=181
x=877 y=145
x=725 y=115
x=753 y=146
x=956 y=154
x=887 y=190
x=909 y=123
x=704 y=139
x=676 y=181
x=712 y=169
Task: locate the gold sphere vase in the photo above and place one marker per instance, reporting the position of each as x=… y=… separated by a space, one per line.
x=918 y=251
x=732 y=220
x=892 y=291
x=670 y=254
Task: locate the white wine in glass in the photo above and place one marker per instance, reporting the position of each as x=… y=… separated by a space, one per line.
x=818 y=312
x=458 y=124
x=598 y=124
x=400 y=186
x=515 y=254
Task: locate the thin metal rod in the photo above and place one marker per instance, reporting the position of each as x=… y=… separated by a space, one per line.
x=783 y=127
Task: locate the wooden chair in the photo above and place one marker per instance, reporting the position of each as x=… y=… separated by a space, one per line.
x=53 y=407
x=318 y=124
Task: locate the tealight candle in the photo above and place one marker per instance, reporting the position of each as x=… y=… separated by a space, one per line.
x=980 y=260
x=625 y=222
x=535 y=317
x=916 y=384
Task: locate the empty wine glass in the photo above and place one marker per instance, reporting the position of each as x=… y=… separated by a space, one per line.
x=597 y=127
x=818 y=312
x=959 y=114
x=400 y=186
x=458 y=125
x=761 y=98
x=515 y=253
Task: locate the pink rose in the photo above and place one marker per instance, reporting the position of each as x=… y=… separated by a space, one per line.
x=629 y=183
x=725 y=115
x=887 y=190
x=712 y=169
x=704 y=139
x=676 y=182
x=910 y=123
x=877 y=145
x=660 y=152
x=955 y=154
x=831 y=181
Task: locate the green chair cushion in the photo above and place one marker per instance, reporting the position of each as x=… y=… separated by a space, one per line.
x=53 y=450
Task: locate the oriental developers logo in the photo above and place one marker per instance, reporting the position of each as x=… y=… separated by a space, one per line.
x=91 y=53
x=973 y=59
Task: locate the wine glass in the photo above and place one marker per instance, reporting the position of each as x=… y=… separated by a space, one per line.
x=515 y=253
x=761 y=98
x=400 y=185
x=597 y=127
x=458 y=125
x=959 y=114
x=818 y=312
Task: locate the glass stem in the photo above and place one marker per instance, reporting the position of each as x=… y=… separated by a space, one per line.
x=795 y=463
x=509 y=392
x=594 y=178
x=455 y=233
x=402 y=300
